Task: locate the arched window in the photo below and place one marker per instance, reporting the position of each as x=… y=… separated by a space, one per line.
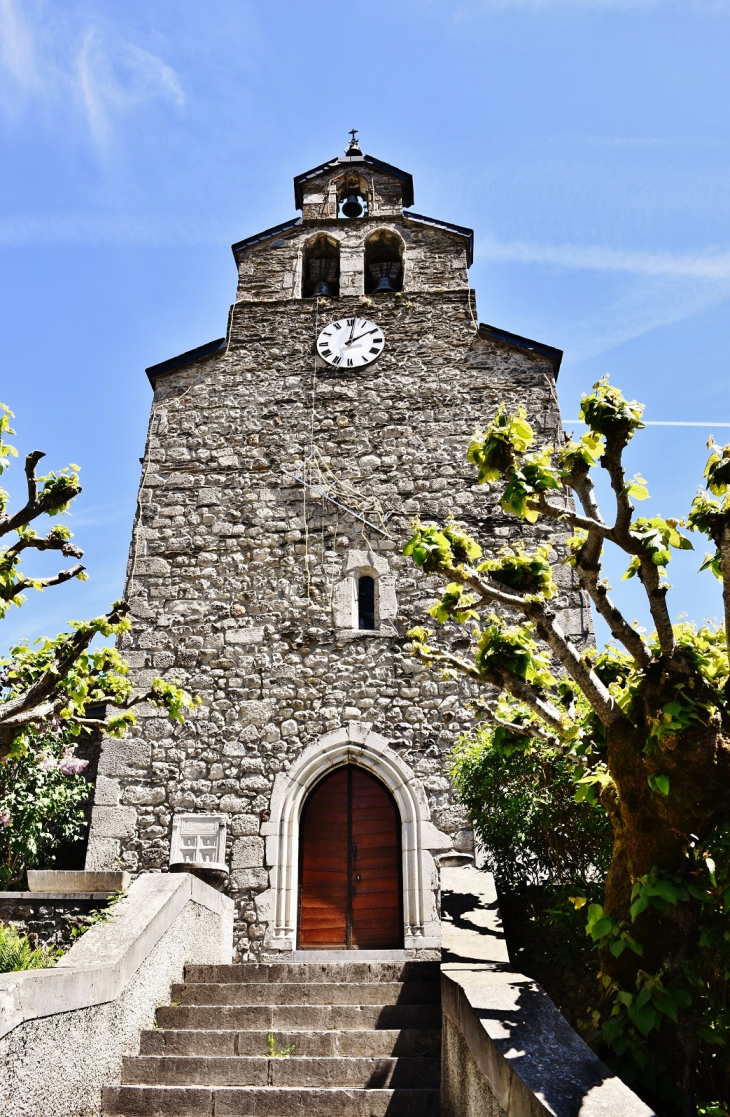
x=366 y=602
x=352 y=197
x=383 y=263
x=321 y=268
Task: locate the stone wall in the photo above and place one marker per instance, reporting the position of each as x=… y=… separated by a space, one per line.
x=234 y=566
x=65 y=1030
x=50 y=919
x=434 y=258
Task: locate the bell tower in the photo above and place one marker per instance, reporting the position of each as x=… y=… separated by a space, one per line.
x=283 y=465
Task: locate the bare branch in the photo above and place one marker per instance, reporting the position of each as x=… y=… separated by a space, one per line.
x=612 y=463
x=39 y=700
x=724 y=548
x=36 y=505
x=47 y=543
x=581 y=482
x=568 y=655
x=31 y=462
x=650 y=579
x=569 y=516
x=502 y=680
x=7 y=593
x=588 y=561
x=588 y=575
x=560 y=644
x=527 y=729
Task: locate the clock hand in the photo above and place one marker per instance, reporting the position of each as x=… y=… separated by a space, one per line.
x=353 y=339
x=352 y=330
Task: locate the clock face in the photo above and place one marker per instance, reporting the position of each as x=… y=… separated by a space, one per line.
x=350 y=342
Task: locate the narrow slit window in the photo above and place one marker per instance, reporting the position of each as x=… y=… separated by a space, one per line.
x=366 y=602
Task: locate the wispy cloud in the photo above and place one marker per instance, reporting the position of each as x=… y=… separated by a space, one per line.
x=659 y=288
x=711 y=264
x=115 y=78
x=469 y=8
x=87 y=69
x=17 y=52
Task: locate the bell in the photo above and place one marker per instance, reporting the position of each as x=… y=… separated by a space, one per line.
x=352 y=206
x=323 y=291
x=384 y=284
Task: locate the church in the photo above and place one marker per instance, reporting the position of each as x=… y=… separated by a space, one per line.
x=283 y=466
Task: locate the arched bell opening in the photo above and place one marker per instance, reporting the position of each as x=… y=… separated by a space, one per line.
x=321 y=268
x=350 y=882
x=383 y=263
x=352 y=198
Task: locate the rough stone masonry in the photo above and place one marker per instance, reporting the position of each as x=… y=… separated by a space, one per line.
x=239 y=575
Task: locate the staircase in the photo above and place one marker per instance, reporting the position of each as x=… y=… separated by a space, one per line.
x=365 y=1040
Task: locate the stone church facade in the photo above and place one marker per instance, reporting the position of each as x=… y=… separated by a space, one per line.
x=266 y=568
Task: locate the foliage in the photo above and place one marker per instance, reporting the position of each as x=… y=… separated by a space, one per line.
x=99 y=915
x=520 y=794
x=284 y=1053
x=55 y=680
x=627 y=748
x=55 y=689
x=42 y=796
x=17 y=953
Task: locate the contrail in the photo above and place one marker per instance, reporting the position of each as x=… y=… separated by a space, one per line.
x=658 y=423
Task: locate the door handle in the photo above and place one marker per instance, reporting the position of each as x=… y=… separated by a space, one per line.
x=357 y=877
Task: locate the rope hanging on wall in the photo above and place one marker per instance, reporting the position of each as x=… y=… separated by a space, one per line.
x=316 y=476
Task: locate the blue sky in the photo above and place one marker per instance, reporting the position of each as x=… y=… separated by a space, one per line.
x=585 y=141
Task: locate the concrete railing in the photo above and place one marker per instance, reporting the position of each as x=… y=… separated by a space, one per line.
x=506 y=1050
x=64 y=1030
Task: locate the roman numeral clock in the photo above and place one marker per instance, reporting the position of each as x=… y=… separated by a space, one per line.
x=350 y=342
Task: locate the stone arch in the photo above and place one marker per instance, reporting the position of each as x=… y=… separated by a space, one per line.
x=352 y=186
x=384 y=258
x=321 y=265
x=353 y=744
x=344 y=597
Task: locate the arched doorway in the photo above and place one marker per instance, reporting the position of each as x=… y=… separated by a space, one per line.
x=350 y=865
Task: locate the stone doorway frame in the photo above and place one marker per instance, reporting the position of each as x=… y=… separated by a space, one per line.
x=354 y=743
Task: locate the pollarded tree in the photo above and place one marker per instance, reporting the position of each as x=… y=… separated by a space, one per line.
x=645 y=725
x=50 y=684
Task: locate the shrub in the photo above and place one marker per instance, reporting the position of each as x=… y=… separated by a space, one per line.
x=17 y=953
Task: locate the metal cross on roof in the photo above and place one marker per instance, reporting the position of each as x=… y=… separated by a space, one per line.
x=354 y=148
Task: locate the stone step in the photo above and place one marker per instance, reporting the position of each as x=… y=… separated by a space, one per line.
x=299 y=1018
x=304 y=993
x=266 y=1101
x=413 y=1042
x=268 y=972
x=243 y=1070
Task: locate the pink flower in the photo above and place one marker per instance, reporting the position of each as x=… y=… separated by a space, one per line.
x=48 y=763
x=72 y=765
x=5 y=817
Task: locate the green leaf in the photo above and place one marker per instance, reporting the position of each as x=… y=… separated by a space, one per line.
x=601 y=928
x=636 y=488
x=659 y=783
x=645 y=1019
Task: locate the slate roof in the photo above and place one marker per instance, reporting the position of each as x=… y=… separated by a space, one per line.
x=492 y=333
x=185 y=358
x=345 y=161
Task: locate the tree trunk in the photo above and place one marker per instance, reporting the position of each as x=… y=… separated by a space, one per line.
x=652 y=830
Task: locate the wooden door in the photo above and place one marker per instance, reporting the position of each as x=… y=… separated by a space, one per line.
x=350 y=878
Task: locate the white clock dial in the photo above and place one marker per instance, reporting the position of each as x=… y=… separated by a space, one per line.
x=350 y=342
